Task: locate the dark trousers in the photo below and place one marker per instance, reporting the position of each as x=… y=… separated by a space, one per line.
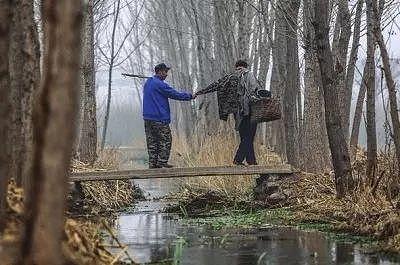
x=247 y=132
x=159 y=140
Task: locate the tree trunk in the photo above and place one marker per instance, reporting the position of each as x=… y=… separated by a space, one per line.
x=358 y=114
x=341 y=58
x=88 y=140
x=265 y=43
x=370 y=83
x=24 y=79
x=315 y=151
x=389 y=80
x=352 y=62
x=185 y=118
x=241 y=27
x=207 y=121
x=110 y=72
x=224 y=42
x=290 y=94
x=284 y=80
x=5 y=106
x=278 y=83
x=57 y=103
x=337 y=142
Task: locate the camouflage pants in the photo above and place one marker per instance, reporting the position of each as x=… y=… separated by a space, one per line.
x=159 y=139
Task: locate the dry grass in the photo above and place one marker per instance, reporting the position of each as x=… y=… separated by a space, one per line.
x=219 y=150
x=106 y=196
x=82 y=242
x=373 y=208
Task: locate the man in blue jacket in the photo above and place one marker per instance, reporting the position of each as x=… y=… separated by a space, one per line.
x=157 y=117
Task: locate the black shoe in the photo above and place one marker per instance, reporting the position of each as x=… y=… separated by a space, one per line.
x=252 y=163
x=166 y=165
x=155 y=166
x=236 y=163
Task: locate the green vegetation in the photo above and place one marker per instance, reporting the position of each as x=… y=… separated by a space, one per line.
x=275 y=217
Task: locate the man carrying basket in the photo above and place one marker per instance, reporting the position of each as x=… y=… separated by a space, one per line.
x=236 y=92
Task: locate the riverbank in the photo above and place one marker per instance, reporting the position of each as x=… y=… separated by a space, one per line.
x=308 y=200
x=312 y=204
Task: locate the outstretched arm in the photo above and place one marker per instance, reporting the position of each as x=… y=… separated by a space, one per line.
x=213 y=86
x=172 y=93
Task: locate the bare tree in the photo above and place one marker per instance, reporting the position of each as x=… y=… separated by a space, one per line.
x=350 y=78
x=88 y=134
x=352 y=64
x=285 y=79
x=337 y=142
x=111 y=62
x=111 y=54
x=265 y=45
x=358 y=114
x=370 y=84
x=277 y=83
x=206 y=122
x=24 y=80
x=293 y=84
x=57 y=103
x=5 y=106
x=315 y=150
x=344 y=20
x=388 y=76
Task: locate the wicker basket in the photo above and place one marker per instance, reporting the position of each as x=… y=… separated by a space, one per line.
x=265 y=110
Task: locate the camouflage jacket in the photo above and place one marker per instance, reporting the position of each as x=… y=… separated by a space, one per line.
x=235 y=91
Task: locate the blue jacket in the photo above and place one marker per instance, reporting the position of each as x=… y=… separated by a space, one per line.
x=155 y=99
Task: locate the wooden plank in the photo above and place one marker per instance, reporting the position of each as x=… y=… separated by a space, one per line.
x=179 y=172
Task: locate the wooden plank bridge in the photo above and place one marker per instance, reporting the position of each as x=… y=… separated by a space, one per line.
x=181 y=172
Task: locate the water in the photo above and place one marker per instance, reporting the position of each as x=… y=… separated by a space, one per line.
x=153 y=236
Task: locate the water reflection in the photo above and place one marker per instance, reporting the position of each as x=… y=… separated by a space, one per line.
x=152 y=237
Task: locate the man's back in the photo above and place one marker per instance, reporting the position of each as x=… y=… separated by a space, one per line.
x=155 y=99
x=155 y=104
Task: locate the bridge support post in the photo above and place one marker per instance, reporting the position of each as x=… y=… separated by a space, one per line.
x=273 y=189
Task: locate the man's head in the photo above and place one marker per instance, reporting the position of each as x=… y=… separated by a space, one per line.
x=241 y=64
x=161 y=70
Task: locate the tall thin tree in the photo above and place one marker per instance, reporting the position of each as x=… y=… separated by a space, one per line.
x=88 y=135
x=370 y=84
x=24 y=80
x=389 y=78
x=5 y=106
x=57 y=103
x=110 y=72
x=337 y=142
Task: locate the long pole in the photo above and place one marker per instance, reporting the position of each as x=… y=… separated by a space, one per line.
x=134 y=75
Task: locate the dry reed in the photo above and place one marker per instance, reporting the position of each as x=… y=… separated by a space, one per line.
x=106 y=196
x=373 y=208
x=82 y=243
x=219 y=150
